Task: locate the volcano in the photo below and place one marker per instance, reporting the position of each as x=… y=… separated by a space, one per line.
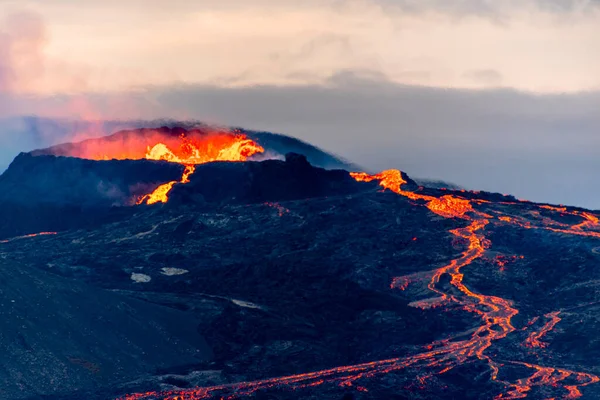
x=269 y=269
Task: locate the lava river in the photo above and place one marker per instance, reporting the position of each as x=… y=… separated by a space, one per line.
x=494 y=313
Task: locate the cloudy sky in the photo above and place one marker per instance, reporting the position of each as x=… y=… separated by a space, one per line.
x=500 y=95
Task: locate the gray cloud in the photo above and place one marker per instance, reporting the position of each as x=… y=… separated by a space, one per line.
x=567 y=5
x=489 y=7
x=454 y=7
x=325 y=45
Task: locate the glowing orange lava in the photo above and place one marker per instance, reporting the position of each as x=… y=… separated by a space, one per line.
x=281 y=211
x=213 y=148
x=192 y=152
x=31 y=235
x=160 y=194
x=495 y=313
x=446 y=206
x=590 y=226
x=533 y=340
x=502 y=261
x=191 y=147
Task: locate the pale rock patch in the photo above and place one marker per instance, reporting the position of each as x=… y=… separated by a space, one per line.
x=140 y=278
x=174 y=271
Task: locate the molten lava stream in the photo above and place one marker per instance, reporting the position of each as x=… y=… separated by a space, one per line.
x=31 y=235
x=160 y=194
x=590 y=226
x=191 y=153
x=533 y=340
x=442 y=356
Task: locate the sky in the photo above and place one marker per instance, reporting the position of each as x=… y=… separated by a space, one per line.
x=499 y=95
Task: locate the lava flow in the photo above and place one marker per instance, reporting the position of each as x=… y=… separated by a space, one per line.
x=191 y=152
x=534 y=338
x=161 y=193
x=495 y=314
x=31 y=235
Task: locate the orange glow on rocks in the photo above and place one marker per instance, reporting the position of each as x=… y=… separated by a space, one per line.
x=450 y=206
x=390 y=179
x=281 y=210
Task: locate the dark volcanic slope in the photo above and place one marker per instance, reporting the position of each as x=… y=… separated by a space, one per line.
x=59 y=335
x=87 y=183
x=271 y=180
x=50 y=193
x=428 y=294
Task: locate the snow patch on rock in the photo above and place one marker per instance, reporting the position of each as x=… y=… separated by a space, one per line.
x=140 y=278
x=246 y=304
x=174 y=271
